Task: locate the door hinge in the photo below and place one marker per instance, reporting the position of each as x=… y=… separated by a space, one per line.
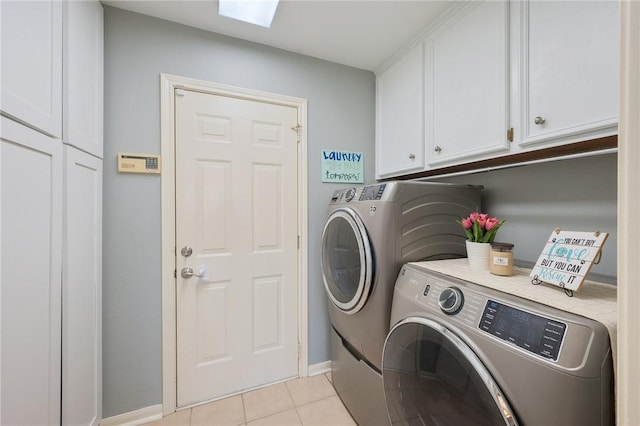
x=299 y=349
x=175 y=273
x=298 y=242
x=510 y=134
x=296 y=129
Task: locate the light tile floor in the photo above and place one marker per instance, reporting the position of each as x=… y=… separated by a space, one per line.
x=307 y=401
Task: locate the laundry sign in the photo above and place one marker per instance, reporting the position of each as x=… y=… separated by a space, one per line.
x=567 y=258
x=342 y=166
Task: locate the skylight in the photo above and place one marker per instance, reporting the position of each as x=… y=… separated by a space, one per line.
x=257 y=12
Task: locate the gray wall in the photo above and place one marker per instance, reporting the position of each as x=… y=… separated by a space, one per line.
x=578 y=195
x=137 y=50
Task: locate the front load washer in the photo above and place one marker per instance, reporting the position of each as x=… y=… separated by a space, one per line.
x=370 y=232
x=462 y=354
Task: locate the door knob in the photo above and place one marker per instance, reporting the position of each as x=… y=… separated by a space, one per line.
x=188 y=273
x=186 y=251
x=539 y=120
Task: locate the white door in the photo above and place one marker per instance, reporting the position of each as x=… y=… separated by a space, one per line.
x=400 y=116
x=30 y=275
x=81 y=289
x=31 y=63
x=466 y=94
x=570 y=68
x=236 y=226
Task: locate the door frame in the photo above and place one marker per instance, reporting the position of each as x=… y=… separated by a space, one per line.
x=168 y=83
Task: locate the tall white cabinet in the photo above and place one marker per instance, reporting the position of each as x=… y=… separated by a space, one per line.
x=51 y=213
x=82 y=136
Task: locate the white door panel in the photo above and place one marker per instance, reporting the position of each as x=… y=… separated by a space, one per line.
x=236 y=207
x=31 y=46
x=30 y=276
x=467 y=99
x=570 y=67
x=81 y=290
x=83 y=69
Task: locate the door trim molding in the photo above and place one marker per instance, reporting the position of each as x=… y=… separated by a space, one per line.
x=168 y=83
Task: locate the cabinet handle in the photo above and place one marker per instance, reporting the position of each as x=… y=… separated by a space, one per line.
x=412 y=157
x=437 y=149
x=539 y=120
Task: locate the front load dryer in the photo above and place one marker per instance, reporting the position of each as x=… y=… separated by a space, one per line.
x=370 y=232
x=464 y=354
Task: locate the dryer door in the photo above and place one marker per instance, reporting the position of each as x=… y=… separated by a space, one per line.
x=347 y=260
x=432 y=377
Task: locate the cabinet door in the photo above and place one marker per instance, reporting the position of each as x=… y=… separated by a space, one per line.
x=82 y=289
x=570 y=70
x=467 y=89
x=30 y=271
x=399 y=116
x=83 y=75
x=31 y=45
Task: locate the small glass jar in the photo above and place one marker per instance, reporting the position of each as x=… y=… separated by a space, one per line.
x=501 y=259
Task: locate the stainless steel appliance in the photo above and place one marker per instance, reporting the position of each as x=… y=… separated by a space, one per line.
x=370 y=232
x=459 y=353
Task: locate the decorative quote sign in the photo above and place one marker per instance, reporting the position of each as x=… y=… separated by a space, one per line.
x=567 y=258
x=342 y=166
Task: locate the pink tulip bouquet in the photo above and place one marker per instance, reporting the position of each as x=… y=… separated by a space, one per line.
x=480 y=227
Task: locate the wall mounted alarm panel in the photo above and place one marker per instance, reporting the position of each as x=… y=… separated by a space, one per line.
x=138 y=163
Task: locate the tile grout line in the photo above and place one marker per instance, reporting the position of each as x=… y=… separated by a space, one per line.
x=295 y=407
x=244 y=408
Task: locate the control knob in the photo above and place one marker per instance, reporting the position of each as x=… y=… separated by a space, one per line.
x=348 y=196
x=451 y=300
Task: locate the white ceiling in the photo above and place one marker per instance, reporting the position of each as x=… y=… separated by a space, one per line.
x=359 y=33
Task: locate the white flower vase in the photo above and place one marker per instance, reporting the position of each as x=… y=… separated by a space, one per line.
x=478 y=255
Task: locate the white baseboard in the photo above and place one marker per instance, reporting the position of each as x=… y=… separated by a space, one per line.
x=320 y=368
x=149 y=414
x=135 y=418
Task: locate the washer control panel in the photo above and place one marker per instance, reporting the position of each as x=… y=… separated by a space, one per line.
x=534 y=333
x=472 y=306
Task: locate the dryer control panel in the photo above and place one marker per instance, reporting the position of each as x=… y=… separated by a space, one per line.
x=373 y=192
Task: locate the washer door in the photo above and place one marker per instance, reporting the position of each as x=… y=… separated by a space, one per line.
x=432 y=377
x=347 y=260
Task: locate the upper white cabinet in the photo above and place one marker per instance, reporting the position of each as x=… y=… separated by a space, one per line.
x=569 y=54
x=500 y=78
x=467 y=84
x=400 y=115
x=83 y=76
x=31 y=45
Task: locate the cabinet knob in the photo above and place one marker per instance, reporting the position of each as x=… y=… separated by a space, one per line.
x=539 y=120
x=437 y=149
x=412 y=157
